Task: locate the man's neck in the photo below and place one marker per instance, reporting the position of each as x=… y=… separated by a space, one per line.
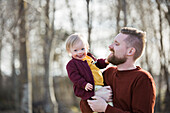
x=126 y=66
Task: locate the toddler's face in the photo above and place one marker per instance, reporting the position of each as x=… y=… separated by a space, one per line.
x=79 y=50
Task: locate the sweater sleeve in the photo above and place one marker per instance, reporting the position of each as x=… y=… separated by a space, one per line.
x=75 y=76
x=144 y=93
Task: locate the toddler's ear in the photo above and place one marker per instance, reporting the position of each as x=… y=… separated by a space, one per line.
x=69 y=54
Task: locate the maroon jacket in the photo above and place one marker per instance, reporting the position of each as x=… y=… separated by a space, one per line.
x=80 y=74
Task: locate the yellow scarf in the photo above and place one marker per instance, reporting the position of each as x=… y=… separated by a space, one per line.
x=97 y=74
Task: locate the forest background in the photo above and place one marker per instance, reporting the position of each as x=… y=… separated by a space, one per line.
x=33 y=77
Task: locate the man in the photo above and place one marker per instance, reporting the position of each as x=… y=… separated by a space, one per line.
x=133 y=88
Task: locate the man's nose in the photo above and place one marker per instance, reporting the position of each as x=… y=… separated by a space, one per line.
x=111 y=46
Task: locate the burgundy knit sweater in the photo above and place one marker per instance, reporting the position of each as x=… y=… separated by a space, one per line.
x=134 y=91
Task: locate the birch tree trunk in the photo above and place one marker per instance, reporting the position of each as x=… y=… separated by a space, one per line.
x=162 y=57
x=14 y=75
x=70 y=16
x=51 y=105
x=25 y=77
x=46 y=52
x=167 y=15
x=124 y=11
x=89 y=23
x=121 y=6
x=118 y=16
x=166 y=64
x=2 y=32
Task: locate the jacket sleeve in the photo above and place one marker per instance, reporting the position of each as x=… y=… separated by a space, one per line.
x=75 y=76
x=100 y=63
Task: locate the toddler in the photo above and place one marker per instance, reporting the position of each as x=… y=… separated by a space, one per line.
x=83 y=70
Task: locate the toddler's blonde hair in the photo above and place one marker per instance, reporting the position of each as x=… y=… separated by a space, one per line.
x=73 y=39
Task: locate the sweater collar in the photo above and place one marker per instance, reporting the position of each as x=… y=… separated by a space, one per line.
x=137 y=68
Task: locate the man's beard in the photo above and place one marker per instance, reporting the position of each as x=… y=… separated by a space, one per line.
x=115 y=60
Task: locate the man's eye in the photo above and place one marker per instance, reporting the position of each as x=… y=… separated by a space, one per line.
x=116 y=44
x=82 y=49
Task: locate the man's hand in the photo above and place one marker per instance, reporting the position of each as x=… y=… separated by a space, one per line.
x=88 y=87
x=105 y=92
x=98 y=104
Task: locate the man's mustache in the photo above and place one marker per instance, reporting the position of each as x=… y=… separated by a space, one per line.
x=112 y=50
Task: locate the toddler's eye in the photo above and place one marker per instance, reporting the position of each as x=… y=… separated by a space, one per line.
x=75 y=50
x=82 y=49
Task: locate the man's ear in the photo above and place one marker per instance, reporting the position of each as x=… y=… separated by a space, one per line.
x=131 y=51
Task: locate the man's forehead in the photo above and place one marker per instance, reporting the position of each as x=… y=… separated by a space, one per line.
x=120 y=37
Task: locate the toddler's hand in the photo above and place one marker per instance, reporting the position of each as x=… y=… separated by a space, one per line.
x=88 y=87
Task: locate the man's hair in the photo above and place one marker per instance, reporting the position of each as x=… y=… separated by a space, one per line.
x=136 y=39
x=73 y=39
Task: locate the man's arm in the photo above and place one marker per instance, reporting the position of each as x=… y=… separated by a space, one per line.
x=98 y=104
x=101 y=96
